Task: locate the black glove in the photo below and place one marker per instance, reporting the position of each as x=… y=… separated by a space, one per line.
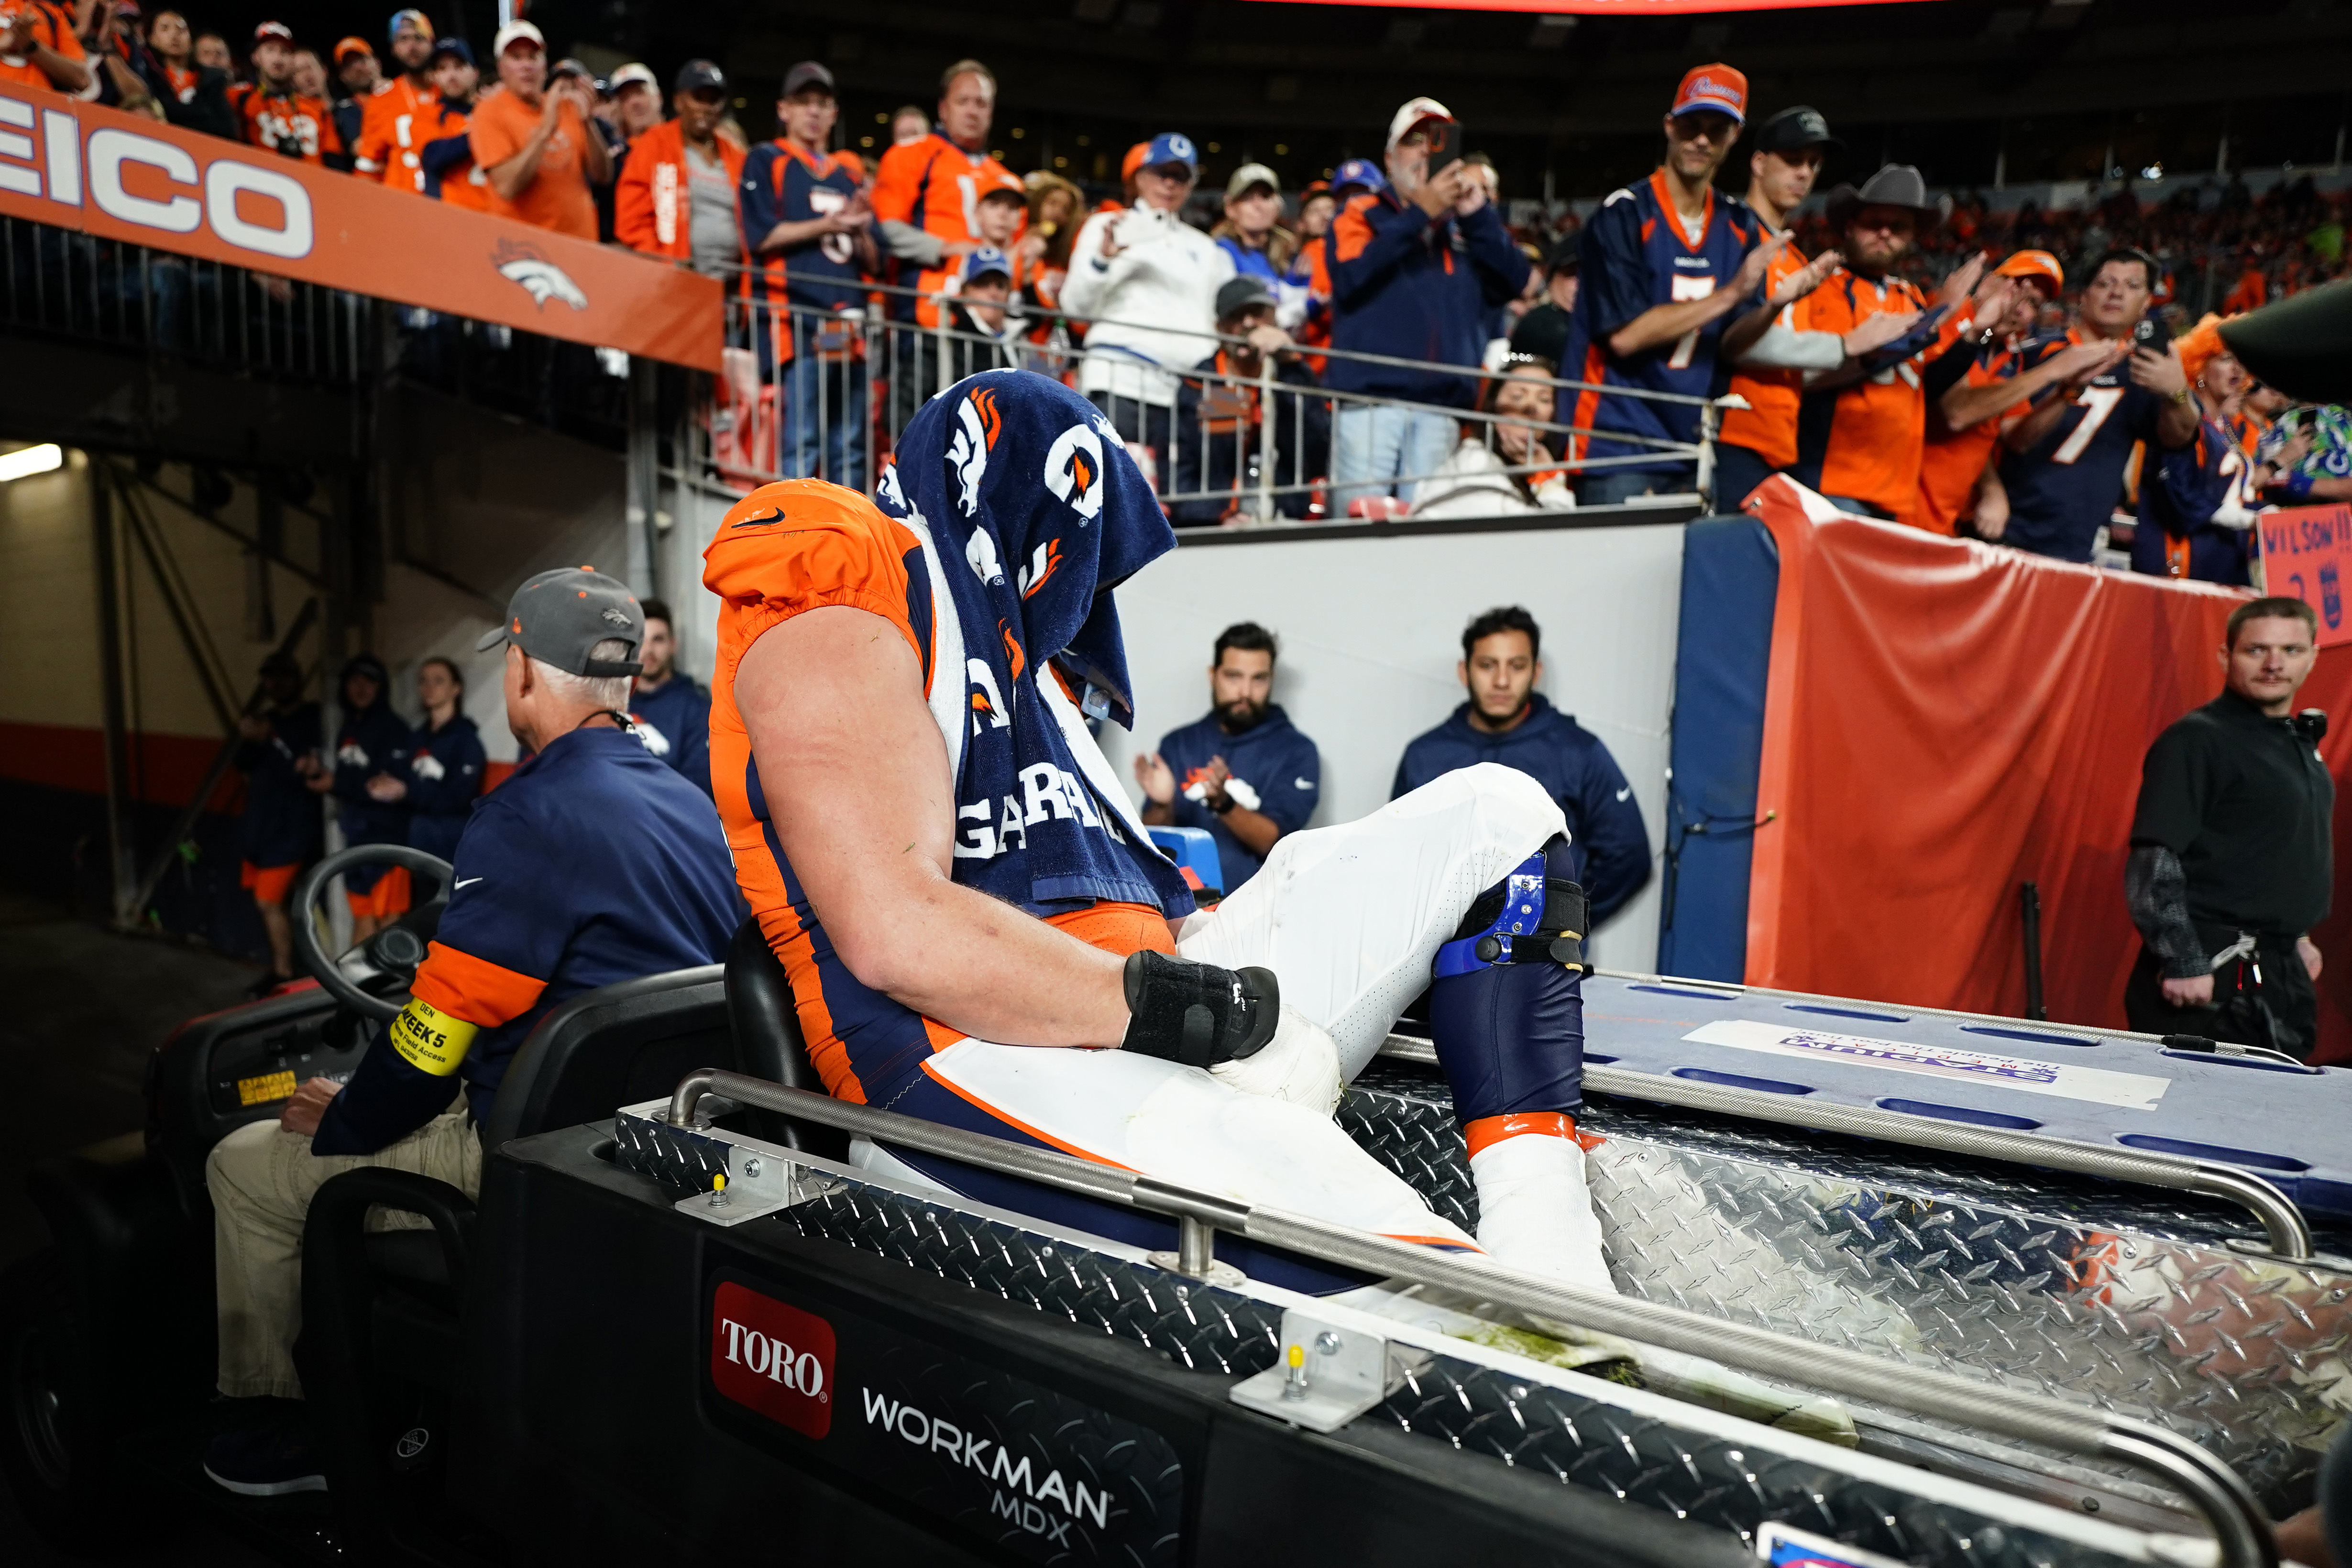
x=1198 y=1014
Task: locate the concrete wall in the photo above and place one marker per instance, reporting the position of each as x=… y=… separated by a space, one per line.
x=1371 y=632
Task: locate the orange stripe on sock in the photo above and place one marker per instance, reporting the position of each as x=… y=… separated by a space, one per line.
x=957 y=1090
x=1485 y=1131
x=1450 y=1243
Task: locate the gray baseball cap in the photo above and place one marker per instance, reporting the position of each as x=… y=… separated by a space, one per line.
x=559 y=615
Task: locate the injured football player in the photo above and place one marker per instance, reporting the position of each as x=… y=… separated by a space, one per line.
x=979 y=931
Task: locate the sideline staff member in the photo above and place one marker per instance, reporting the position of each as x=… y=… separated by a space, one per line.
x=280 y=830
x=1506 y=720
x=1241 y=771
x=371 y=742
x=671 y=713
x=594 y=863
x=2231 y=863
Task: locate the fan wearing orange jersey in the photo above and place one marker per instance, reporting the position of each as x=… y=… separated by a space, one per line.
x=927 y=194
x=38 y=47
x=1771 y=347
x=398 y=119
x=1859 y=429
x=273 y=114
x=1956 y=477
x=446 y=146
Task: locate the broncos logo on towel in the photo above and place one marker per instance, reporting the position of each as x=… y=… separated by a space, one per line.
x=1074 y=471
x=978 y=424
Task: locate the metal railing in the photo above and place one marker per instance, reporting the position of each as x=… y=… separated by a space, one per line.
x=821 y=392
x=62 y=281
x=2217 y=1492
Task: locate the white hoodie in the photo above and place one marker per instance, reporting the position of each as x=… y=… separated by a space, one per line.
x=1164 y=280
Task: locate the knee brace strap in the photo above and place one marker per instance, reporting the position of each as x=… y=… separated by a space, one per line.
x=1533 y=917
x=1198 y=1014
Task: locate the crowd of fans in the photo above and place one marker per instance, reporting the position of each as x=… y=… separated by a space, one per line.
x=1934 y=362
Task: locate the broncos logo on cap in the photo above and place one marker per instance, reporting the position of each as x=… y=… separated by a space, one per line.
x=1074 y=470
x=978 y=424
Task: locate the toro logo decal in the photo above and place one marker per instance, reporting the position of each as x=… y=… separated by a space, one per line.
x=772 y=1358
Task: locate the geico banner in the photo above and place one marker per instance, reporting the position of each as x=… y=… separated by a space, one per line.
x=126 y=177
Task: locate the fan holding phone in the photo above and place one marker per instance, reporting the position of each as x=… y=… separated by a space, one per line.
x=1415 y=269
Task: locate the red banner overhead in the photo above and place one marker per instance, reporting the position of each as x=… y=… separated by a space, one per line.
x=1605 y=7
x=126 y=177
x=1946 y=720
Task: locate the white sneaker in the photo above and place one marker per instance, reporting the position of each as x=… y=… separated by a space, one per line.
x=1535 y=1213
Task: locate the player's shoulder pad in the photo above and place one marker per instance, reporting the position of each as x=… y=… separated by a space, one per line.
x=1621 y=193
x=796 y=539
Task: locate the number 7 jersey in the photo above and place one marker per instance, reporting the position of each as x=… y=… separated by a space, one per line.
x=2067 y=484
x=1634 y=255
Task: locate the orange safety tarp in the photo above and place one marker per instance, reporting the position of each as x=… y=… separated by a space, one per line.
x=119 y=176
x=1946 y=720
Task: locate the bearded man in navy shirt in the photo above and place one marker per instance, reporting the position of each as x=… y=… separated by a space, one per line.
x=670 y=711
x=1506 y=720
x=1242 y=771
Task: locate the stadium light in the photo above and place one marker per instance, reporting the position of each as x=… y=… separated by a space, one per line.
x=29 y=460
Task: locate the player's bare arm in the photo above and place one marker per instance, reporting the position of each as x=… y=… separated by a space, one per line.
x=1665 y=323
x=856 y=780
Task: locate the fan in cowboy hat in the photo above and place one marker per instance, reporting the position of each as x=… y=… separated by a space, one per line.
x=1895 y=185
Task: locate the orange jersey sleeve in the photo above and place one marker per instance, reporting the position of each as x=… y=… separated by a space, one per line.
x=799 y=545
x=899 y=180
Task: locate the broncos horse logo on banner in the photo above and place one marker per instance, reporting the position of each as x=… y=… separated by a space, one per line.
x=978 y=424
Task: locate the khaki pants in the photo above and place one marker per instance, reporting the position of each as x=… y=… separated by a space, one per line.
x=262 y=1181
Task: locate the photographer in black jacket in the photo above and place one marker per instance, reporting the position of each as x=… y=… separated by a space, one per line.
x=2231 y=859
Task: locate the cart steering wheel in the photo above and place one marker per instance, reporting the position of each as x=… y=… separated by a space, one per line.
x=372 y=979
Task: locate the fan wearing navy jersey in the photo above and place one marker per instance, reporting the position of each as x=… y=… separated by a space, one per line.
x=1240 y=772
x=2063 y=466
x=593 y=863
x=2194 y=521
x=1662 y=264
x=670 y=711
x=810 y=231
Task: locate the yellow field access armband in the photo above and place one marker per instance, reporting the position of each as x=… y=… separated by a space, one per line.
x=430 y=1039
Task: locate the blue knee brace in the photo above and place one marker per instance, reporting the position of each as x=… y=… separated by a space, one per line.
x=1506 y=1009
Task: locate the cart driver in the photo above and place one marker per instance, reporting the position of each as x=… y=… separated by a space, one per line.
x=978 y=932
x=595 y=862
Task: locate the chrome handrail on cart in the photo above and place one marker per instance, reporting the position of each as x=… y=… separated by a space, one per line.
x=2282 y=1222
x=2216 y=1491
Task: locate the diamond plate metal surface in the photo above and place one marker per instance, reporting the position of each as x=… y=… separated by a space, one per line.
x=1584 y=1441
x=1580 y=1439
x=2131 y=1302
